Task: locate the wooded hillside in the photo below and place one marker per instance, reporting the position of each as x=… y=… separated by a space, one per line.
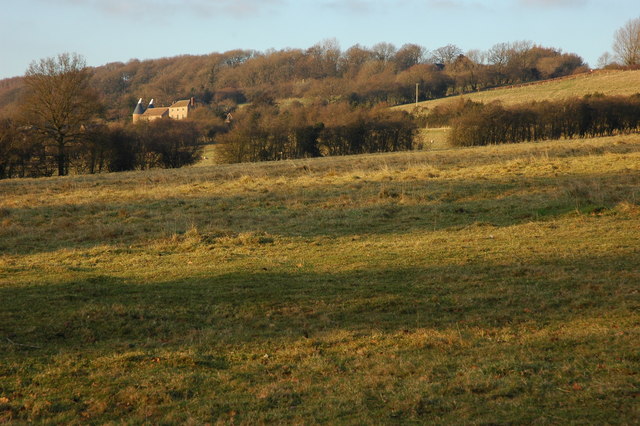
x=360 y=75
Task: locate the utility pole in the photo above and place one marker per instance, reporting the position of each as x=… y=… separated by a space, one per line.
x=417 y=92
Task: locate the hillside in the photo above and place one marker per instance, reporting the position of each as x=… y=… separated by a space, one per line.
x=605 y=82
x=324 y=72
x=493 y=285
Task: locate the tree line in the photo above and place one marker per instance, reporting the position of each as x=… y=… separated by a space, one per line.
x=259 y=132
x=363 y=75
x=379 y=73
x=359 y=74
x=263 y=132
x=591 y=116
x=98 y=148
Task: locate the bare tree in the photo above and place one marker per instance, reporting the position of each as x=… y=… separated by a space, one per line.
x=626 y=43
x=353 y=59
x=499 y=55
x=327 y=56
x=446 y=54
x=477 y=56
x=409 y=55
x=605 y=60
x=383 y=51
x=59 y=104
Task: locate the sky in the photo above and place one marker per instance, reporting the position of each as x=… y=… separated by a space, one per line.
x=105 y=31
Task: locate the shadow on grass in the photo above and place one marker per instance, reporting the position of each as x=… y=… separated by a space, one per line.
x=246 y=307
x=364 y=208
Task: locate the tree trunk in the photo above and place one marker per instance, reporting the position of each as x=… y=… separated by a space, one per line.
x=61 y=158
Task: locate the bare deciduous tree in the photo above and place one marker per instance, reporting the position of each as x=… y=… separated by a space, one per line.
x=446 y=54
x=499 y=55
x=409 y=55
x=384 y=51
x=605 y=60
x=626 y=43
x=354 y=58
x=59 y=104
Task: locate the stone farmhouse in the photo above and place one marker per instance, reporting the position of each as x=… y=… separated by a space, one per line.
x=178 y=110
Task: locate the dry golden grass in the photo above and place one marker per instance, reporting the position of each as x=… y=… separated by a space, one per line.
x=605 y=82
x=480 y=285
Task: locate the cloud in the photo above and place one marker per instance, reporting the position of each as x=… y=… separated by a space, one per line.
x=352 y=6
x=552 y=3
x=361 y=7
x=208 y=8
x=455 y=4
x=446 y=4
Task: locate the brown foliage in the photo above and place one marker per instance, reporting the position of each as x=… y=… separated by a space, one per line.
x=382 y=73
x=269 y=132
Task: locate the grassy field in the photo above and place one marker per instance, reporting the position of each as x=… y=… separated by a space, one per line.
x=432 y=139
x=488 y=285
x=606 y=82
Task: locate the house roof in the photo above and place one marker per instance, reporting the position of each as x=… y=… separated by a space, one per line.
x=180 y=104
x=139 y=109
x=156 y=111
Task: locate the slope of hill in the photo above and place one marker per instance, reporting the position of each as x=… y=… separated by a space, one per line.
x=367 y=76
x=605 y=82
x=494 y=285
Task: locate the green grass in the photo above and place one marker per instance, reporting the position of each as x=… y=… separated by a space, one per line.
x=483 y=285
x=208 y=156
x=433 y=139
x=610 y=83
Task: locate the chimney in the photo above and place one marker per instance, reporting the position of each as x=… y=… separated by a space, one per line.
x=193 y=102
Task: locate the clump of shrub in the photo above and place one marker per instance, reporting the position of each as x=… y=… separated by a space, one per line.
x=266 y=131
x=101 y=148
x=591 y=116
